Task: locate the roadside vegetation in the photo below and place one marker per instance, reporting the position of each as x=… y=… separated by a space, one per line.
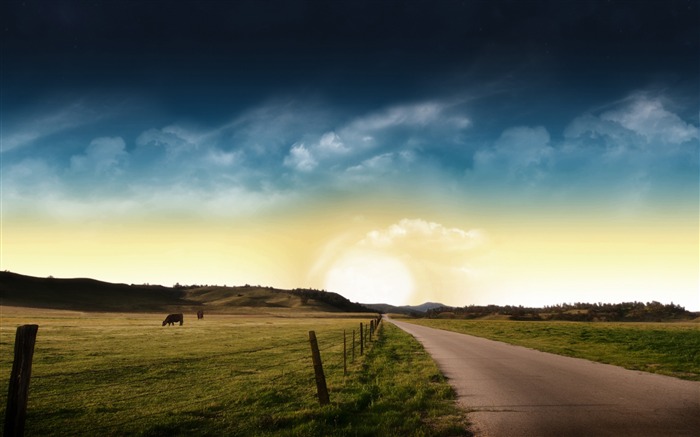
x=405 y=392
x=125 y=374
x=667 y=348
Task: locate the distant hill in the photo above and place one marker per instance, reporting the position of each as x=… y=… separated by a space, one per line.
x=424 y=306
x=404 y=309
x=84 y=294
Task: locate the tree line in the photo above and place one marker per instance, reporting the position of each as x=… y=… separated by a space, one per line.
x=584 y=312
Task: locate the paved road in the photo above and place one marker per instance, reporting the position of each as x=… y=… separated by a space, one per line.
x=515 y=391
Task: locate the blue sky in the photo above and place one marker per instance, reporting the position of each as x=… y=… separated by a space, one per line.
x=465 y=115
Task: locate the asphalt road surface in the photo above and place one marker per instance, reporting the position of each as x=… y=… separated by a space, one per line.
x=514 y=391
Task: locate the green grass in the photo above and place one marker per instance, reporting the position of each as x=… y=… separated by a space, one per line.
x=401 y=393
x=667 y=348
x=125 y=374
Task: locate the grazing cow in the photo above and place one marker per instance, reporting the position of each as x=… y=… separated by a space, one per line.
x=200 y=314
x=172 y=319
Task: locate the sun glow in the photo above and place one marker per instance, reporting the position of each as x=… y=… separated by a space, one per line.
x=370 y=277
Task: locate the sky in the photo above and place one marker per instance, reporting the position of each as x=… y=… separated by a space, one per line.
x=464 y=152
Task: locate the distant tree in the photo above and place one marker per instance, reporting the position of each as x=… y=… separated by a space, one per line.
x=625 y=311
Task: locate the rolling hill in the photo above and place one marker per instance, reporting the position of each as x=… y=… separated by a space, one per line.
x=84 y=294
x=411 y=310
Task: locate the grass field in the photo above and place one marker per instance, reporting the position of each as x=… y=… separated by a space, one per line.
x=667 y=348
x=125 y=374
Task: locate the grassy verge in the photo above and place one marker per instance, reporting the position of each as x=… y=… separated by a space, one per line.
x=667 y=348
x=124 y=374
x=399 y=392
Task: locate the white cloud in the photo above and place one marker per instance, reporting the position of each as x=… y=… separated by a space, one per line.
x=328 y=149
x=622 y=157
x=398 y=131
x=424 y=235
x=376 y=164
x=368 y=143
x=331 y=144
x=103 y=155
x=266 y=131
x=637 y=140
x=411 y=115
x=300 y=158
x=640 y=122
x=624 y=151
x=419 y=114
x=604 y=133
x=415 y=121
x=649 y=118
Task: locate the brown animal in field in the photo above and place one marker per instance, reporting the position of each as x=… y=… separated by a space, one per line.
x=200 y=314
x=172 y=319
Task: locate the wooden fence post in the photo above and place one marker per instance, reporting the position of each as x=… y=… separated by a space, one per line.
x=18 y=391
x=345 y=354
x=318 y=371
x=353 y=345
x=362 y=340
x=371 y=330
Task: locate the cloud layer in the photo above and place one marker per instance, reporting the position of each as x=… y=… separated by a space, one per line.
x=635 y=148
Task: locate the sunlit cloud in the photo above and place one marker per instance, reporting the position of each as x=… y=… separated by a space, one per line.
x=424 y=235
x=426 y=258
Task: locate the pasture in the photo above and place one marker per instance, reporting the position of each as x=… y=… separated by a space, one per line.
x=667 y=348
x=125 y=374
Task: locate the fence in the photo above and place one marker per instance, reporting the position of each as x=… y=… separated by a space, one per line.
x=279 y=372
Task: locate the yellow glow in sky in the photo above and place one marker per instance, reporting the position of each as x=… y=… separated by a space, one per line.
x=381 y=258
